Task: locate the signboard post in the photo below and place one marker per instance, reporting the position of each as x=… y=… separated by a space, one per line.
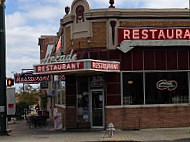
x=3 y=127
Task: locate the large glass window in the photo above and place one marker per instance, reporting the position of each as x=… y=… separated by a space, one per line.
x=133 y=89
x=166 y=88
x=82 y=101
x=60 y=97
x=159 y=88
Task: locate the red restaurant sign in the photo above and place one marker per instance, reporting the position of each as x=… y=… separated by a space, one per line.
x=58 y=67
x=80 y=65
x=153 y=34
x=105 y=66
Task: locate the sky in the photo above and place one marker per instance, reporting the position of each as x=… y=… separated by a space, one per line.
x=27 y=20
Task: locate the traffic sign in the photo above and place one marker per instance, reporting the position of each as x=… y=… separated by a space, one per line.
x=10 y=82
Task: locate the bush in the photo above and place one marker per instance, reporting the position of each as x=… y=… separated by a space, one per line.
x=20 y=107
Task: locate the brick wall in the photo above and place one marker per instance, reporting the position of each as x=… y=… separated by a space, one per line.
x=71 y=117
x=99 y=34
x=68 y=116
x=148 y=117
x=43 y=43
x=98 y=38
x=68 y=38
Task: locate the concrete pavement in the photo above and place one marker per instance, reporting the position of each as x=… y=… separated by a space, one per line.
x=21 y=133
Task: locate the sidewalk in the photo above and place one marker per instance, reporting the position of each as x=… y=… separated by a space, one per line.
x=21 y=133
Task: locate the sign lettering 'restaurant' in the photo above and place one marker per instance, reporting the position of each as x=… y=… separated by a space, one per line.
x=153 y=34
x=58 y=67
x=29 y=77
x=106 y=66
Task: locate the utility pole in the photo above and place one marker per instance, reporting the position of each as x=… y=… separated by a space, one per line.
x=3 y=103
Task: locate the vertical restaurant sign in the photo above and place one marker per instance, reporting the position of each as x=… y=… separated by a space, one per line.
x=171 y=33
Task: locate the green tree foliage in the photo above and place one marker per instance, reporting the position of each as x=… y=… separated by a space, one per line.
x=30 y=95
x=20 y=107
x=44 y=102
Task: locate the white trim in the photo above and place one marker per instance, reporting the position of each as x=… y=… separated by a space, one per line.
x=121 y=86
x=145 y=106
x=61 y=106
x=144 y=87
x=127 y=45
x=103 y=109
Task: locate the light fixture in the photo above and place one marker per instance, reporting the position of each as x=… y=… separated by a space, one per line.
x=130 y=82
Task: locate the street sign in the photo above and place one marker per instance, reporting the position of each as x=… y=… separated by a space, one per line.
x=2 y=108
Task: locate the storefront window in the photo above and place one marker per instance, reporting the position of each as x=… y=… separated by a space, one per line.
x=160 y=88
x=83 y=100
x=60 y=97
x=166 y=88
x=133 y=89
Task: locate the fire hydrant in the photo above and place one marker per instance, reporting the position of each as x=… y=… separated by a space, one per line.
x=110 y=130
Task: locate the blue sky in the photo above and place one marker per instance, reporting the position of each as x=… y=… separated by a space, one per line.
x=27 y=20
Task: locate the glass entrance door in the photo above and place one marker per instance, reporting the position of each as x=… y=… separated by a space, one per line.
x=97 y=109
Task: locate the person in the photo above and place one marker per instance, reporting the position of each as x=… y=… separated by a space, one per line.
x=37 y=108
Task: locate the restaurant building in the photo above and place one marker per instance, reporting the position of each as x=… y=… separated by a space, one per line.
x=130 y=67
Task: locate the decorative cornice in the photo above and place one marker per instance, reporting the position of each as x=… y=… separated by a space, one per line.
x=107 y=13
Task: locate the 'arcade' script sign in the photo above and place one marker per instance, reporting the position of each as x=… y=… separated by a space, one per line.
x=63 y=58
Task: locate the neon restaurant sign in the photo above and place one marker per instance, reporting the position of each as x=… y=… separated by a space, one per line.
x=169 y=85
x=30 y=78
x=172 y=33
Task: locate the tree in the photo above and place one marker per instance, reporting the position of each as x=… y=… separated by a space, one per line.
x=20 y=109
x=30 y=96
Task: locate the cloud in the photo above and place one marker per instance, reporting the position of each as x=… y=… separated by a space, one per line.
x=30 y=19
x=152 y=4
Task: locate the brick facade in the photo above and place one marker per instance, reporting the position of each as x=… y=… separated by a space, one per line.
x=94 y=37
x=98 y=38
x=148 y=117
x=71 y=117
